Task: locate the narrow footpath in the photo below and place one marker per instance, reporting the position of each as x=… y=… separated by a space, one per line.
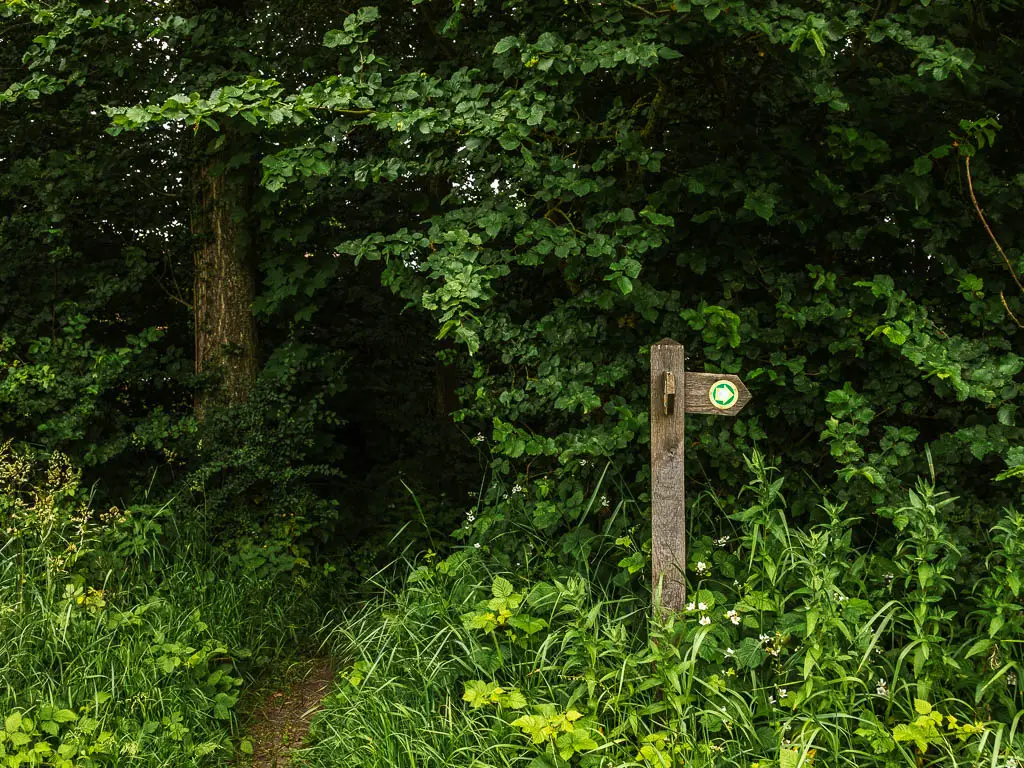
x=280 y=723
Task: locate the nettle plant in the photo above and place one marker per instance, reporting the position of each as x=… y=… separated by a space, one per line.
x=52 y=736
x=784 y=628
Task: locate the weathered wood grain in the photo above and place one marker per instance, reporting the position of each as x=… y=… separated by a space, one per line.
x=668 y=491
x=698 y=386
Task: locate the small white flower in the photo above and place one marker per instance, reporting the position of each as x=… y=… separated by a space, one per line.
x=1011 y=679
x=691 y=606
x=1012 y=762
x=733 y=616
x=504 y=495
x=477 y=545
x=517 y=488
x=604 y=501
x=722 y=541
x=479 y=437
x=763 y=638
x=782 y=693
x=583 y=462
x=773 y=651
x=771 y=699
x=730 y=652
x=702 y=567
x=705 y=620
x=882 y=688
x=702 y=606
x=723 y=709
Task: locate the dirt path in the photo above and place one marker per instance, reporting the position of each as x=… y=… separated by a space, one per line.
x=281 y=722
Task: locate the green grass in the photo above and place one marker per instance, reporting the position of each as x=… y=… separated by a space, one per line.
x=126 y=639
x=800 y=649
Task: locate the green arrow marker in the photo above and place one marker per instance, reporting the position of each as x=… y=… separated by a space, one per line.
x=723 y=394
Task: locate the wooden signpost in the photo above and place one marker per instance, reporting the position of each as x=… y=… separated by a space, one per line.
x=674 y=393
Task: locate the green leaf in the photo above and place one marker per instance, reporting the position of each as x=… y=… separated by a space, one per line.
x=514 y=699
x=508 y=141
x=761 y=203
x=478 y=693
x=20 y=739
x=528 y=624
x=501 y=587
x=13 y=722
x=333 y=38
x=788 y=757
x=749 y=654
x=506 y=44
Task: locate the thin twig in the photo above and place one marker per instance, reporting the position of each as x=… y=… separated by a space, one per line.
x=1009 y=311
x=970 y=186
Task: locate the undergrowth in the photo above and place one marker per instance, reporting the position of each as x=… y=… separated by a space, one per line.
x=126 y=637
x=796 y=648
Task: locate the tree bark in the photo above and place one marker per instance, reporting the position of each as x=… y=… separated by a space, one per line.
x=225 y=285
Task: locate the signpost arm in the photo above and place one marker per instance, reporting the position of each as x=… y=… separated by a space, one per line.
x=668 y=498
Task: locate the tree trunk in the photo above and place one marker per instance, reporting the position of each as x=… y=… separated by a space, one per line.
x=225 y=285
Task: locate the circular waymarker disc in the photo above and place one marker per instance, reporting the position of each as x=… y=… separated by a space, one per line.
x=723 y=394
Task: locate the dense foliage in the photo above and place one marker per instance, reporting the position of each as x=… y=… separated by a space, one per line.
x=796 y=648
x=305 y=286
x=784 y=189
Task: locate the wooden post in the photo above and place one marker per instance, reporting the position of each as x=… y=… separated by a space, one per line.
x=668 y=492
x=674 y=394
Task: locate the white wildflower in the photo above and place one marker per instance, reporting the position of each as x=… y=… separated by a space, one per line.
x=882 y=687
x=604 y=501
x=691 y=606
x=702 y=568
x=733 y=616
x=477 y=545
x=517 y=488
x=763 y=638
x=705 y=620
x=479 y=437
x=702 y=606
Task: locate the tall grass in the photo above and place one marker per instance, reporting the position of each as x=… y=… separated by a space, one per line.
x=799 y=648
x=122 y=639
